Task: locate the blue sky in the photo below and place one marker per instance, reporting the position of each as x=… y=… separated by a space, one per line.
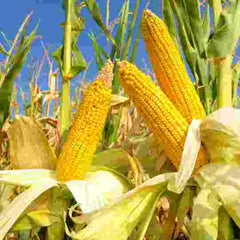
x=50 y=14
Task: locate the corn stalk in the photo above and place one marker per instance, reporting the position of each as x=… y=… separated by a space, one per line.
x=70 y=60
x=65 y=109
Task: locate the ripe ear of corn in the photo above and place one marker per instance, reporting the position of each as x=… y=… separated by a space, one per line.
x=164 y=120
x=80 y=146
x=169 y=68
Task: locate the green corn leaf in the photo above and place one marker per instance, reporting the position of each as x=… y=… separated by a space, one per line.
x=16 y=65
x=206 y=27
x=135 y=45
x=226 y=35
x=117 y=49
x=179 y=9
x=78 y=61
x=94 y=10
x=98 y=51
x=78 y=25
x=126 y=214
x=101 y=50
x=184 y=204
x=195 y=21
x=130 y=30
x=3 y=50
x=194 y=57
x=185 y=34
x=168 y=17
x=143 y=226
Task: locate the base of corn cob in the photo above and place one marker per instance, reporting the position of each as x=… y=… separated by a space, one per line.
x=164 y=120
x=80 y=146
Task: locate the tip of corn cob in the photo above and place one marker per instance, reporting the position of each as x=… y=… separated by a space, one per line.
x=122 y=64
x=148 y=17
x=106 y=73
x=147 y=13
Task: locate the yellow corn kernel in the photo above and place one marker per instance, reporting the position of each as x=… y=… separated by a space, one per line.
x=169 y=68
x=162 y=117
x=78 y=150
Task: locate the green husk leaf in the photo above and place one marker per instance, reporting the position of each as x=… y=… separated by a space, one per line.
x=220 y=135
x=127 y=213
x=144 y=224
x=101 y=187
x=56 y=231
x=46 y=212
x=14 y=210
x=154 y=232
x=185 y=203
x=205 y=215
x=113 y=158
x=40 y=218
x=225 y=228
x=223 y=182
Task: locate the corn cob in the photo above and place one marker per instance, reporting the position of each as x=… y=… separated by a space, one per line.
x=162 y=117
x=80 y=146
x=169 y=68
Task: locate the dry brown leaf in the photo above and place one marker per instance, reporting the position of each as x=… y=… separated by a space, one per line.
x=29 y=147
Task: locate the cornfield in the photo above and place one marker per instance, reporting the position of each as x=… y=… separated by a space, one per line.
x=140 y=141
